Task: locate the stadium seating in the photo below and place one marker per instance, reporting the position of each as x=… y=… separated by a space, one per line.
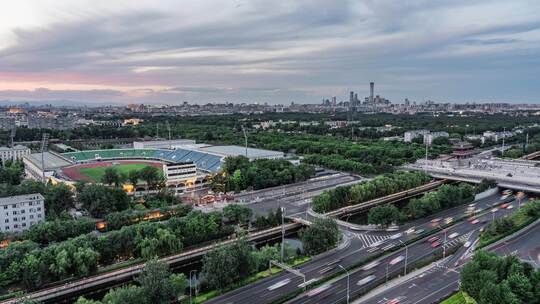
x=204 y=161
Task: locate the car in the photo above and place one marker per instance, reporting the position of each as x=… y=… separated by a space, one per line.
x=510 y=207
x=453 y=235
x=334 y=262
x=472 y=205
x=433 y=239
x=419 y=231
x=494 y=210
x=326 y=269
x=366 y=280
x=396 y=260
x=435 y=244
x=279 y=284
x=410 y=231
x=307 y=283
x=435 y=220
x=505 y=205
x=467 y=244
x=448 y=220
x=396 y=236
x=371 y=265
x=318 y=290
x=475 y=221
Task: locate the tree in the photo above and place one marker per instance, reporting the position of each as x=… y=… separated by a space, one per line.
x=322 y=235
x=110 y=177
x=179 y=283
x=384 y=215
x=155 y=282
x=83 y=300
x=58 y=198
x=150 y=175
x=237 y=214
x=227 y=264
x=129 y=294
x=100 y=200
x=133 y=177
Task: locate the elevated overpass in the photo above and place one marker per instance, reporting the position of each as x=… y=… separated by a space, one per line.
x=531 y=156
x=76 y=288
x=513 y=174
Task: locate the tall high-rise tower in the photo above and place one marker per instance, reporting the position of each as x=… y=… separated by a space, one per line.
x=371 y=89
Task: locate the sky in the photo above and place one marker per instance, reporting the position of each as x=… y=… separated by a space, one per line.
x=170 y=51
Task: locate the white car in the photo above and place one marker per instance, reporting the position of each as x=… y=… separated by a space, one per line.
x=318 y=290
x=279 y=284
x=366 y=280
x=371 y=265
x=467 y=244
x=396 y=236
x=453 y=235
x=396 y=260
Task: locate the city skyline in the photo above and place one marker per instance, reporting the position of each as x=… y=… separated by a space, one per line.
x=98 y=52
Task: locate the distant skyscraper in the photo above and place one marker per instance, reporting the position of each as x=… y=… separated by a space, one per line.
x=351 y=97
x=333 y=101
x=371 y=90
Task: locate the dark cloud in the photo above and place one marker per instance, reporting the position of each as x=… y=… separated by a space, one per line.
x=285 y=50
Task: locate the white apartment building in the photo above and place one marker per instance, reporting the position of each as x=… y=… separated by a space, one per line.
x=428 y=138
x=14 y=154
x=179 y=171
x=412 y=134
x=20 y=212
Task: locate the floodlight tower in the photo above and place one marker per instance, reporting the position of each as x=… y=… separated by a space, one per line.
x=44 y=143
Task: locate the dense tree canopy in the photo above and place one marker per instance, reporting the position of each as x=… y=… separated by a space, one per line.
x=379 y=186
x=321 y=236
x=489 y=279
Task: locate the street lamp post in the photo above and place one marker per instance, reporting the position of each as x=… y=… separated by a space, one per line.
x=282 y=233
x=190 y=279
x=406 y=255
x=444 y=243
x=347 y=282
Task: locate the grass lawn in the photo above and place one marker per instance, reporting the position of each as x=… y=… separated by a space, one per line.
x=97 y=173
x=459 y=298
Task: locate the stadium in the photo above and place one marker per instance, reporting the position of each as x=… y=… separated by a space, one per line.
x=186 y=168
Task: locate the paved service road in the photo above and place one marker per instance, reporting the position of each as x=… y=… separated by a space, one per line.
x=526 y=246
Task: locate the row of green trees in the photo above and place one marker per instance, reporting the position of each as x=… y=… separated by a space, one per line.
x=33 y=266
x=149 y=174
x=529 y=212
x=379 y=186
x=491 y=279
x=11 y=173
x=240 y=174
x=445 y=197
x=227 y=265
x=155 y=284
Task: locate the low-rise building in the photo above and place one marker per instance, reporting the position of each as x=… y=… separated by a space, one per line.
x=13 y=154
x=428 y=138
x=410 y=135
x=20 y=212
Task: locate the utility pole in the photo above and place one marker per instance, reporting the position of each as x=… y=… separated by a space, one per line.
x=168 y=128
x=245 y=139
x=195 y=270
x=406 y=255
x=157 y=130
x=425 y=166
x=504 y=135
x=13 y=131
x=347 y=282
x=282 y=234
x=44 y=142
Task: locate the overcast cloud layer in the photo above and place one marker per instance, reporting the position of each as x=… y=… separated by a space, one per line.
x=163 y=51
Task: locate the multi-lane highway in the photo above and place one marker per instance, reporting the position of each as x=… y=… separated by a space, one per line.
x=442 y=279
x=358 y=247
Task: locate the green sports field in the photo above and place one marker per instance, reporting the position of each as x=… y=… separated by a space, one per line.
x=96 y=173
